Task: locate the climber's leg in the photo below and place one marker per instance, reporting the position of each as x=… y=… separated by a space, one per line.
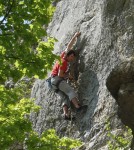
x=65 y=111
x=75 y=102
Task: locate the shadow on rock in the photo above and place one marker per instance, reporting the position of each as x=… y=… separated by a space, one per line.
x=88 y=88
x=120 y=83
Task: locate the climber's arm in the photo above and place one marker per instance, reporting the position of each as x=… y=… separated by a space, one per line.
x=64 y=75
x=62 y=69
x=72 y=41
x=61 y=73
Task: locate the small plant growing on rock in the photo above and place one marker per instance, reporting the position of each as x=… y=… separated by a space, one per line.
x=119 y=141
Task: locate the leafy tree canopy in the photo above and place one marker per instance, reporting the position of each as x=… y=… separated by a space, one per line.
x=22 y=50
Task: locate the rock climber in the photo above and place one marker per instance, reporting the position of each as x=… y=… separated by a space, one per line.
x=59 y=75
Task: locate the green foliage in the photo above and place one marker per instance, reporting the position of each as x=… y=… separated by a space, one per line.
x=13 y=111
x=15 y=126
x=22 y=26
x=119 y=142
x=50 y=141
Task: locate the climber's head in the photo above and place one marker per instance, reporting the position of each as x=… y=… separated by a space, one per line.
x=70 y=56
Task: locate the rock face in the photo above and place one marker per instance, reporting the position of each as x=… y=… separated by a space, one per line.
x=121 y=85
x=106 y=39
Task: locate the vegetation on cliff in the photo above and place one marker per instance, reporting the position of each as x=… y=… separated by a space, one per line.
x=24 y=53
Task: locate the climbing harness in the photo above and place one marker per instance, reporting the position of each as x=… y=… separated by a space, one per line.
x=53 y=87
x=49 y=85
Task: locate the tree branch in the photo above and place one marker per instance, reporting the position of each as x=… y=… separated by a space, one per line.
x=9 y=7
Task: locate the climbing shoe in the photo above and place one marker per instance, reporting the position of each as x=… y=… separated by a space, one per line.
x=82 y=109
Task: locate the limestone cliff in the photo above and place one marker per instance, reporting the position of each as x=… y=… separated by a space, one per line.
x=107 y=38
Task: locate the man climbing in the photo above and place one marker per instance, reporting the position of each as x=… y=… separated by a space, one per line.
x=59 y=75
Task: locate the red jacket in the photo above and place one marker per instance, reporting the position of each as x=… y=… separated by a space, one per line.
x=63 y=66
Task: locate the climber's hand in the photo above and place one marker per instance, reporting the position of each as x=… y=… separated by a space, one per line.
x=70 y=77
x=77 y=34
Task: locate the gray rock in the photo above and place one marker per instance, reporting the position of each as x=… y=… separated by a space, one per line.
x=121 y=85
x=107 y=28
